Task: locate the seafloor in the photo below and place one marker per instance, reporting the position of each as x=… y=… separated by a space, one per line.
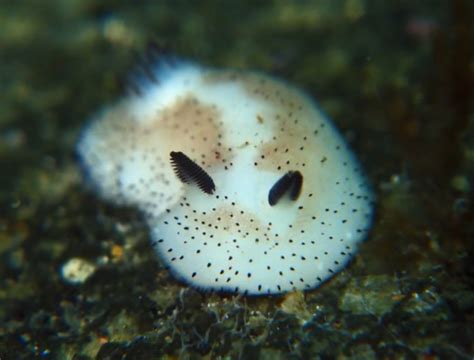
x=397 y=77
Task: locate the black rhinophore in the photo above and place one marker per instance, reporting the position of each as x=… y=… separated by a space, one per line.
x=290 y=183
x=190 y=172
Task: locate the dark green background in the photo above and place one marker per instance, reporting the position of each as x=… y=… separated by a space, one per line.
x=395 y=76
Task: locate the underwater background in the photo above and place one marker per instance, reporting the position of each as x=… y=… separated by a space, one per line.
x=396 y=77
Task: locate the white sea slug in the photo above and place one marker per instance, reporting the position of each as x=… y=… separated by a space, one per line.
x=246 y=185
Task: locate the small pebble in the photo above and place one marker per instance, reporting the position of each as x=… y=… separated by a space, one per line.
x=77 y=270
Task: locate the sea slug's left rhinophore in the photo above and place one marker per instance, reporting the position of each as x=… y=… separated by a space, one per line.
x=246 y=185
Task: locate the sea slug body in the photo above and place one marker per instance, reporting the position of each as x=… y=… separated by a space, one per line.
x=246 y=185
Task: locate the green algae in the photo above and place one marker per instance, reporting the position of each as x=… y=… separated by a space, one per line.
x=396 y=77
x=380 y=294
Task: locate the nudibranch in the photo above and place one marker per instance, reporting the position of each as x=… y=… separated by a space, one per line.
x=246 y=185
